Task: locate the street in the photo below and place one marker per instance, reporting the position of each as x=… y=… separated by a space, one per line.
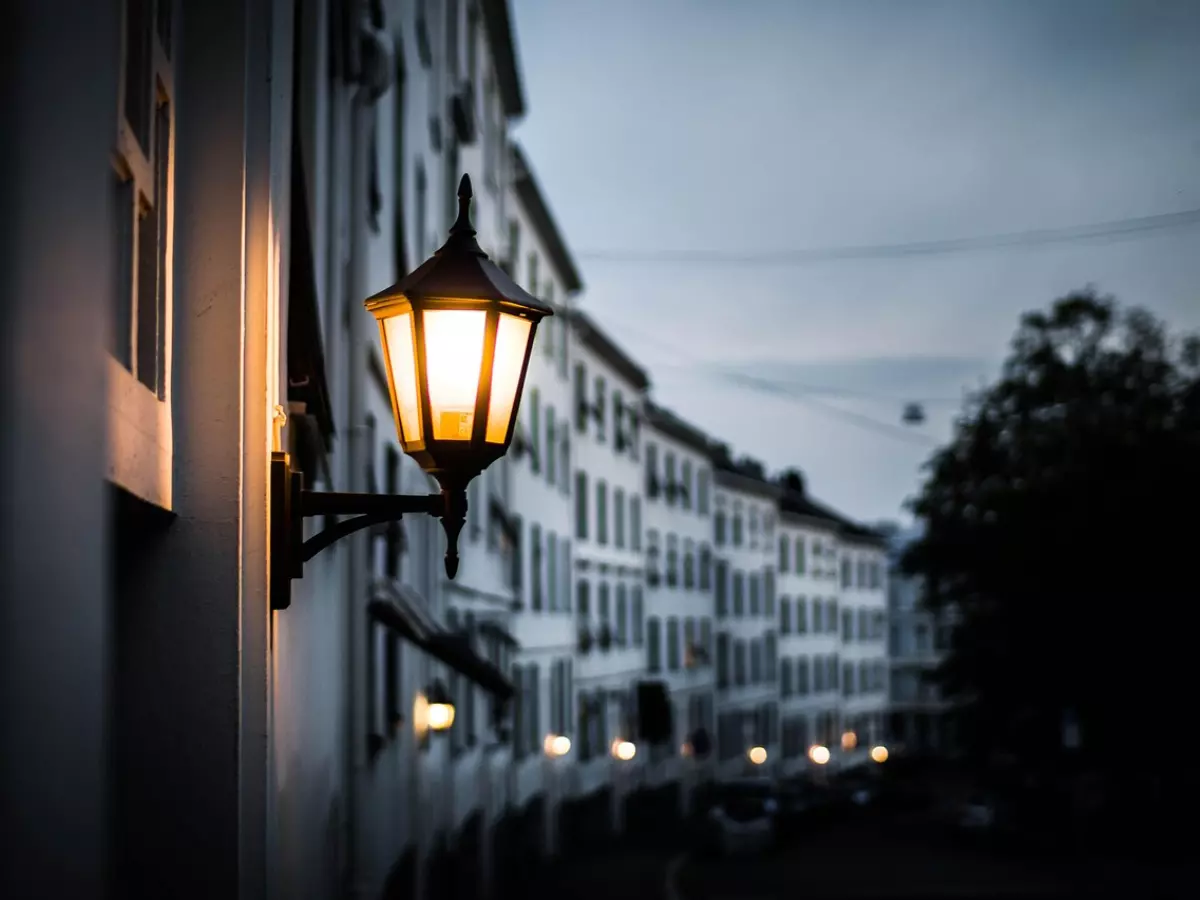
x=889 y=857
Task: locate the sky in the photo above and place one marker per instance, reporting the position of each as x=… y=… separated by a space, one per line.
x=742 y=126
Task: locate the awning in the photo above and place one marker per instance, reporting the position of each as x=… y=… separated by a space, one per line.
x=453 y=650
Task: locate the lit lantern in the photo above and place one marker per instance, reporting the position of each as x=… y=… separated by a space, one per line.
x=457 y=333
x=849 y=740
x=557 y=745
x=624 y=750
x=757 y=755
x=439 y=710
x=879 y=753
x=819 y=754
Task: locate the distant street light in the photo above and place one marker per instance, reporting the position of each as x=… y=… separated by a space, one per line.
x=819 y=754
x=757 y=755
x=879 y=754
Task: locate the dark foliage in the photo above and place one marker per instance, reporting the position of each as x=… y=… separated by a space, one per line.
x=1061 y=527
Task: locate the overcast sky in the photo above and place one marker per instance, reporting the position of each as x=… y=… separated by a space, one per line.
x=751 y=125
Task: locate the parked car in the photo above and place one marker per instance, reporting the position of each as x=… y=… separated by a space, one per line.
x=740 y=817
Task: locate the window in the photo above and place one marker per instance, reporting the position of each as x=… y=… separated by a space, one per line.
x=753 y=527
x=802 y=676
x=685 y=498
x=755 y=604
x=689 y=564
x=535 y=567
x=635 y=523
x=785 y=678
x=618 y=416
x=739 y=593
x=564 y=458
x=801 y=616
x=831 y=674
x=831 y=617
x=672 y=560
x=756 y=662
x=705 y=568
x=581 y=400
x=721 y=590
x=845 y=573
x=622 y=616
x=535 y=430
x=638 y=614
x=551 y=571
x=601 y=512
x=551 y=456
x=864 y=684
x=847 y=626
x=702 y=479
x=799 y=558
x=564 y=547
x=706 y=637
x=783 y=553
x=818 y=616
x=818 y=674
x=863 y=633
x=652 y=561
x=722 y=660
x=848 y=679
x=654 y=644
x=581 y=505
x=673 y=644
x=669 y=477
x=770 y=655
x=719 y=528
x=739 y=663
x=583 y=610
x=769 y=594
x=652 y=485
x=738 y=537
x=603 y=612
x=142 y=201
x=619 y=518
x=785 y=615
x=598 y=408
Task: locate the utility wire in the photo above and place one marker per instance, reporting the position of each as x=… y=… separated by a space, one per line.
x=788 y=392
x=1129 y=228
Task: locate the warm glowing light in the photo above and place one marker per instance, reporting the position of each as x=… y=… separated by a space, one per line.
x=818 y=754
x=512 y=339
x=557 y=745
x=440 y=716
x=849 y=740
x=453 y=358
x=757 y=755
x=398 y=343
x=685 y=749
x=879 y=754
x=623 y=750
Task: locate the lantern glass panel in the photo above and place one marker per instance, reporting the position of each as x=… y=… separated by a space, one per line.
x=512 y=340
x=454 y=340
x=399 y=343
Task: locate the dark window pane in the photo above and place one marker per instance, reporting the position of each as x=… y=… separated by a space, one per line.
x=122 y=211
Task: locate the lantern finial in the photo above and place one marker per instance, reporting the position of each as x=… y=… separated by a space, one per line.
x=463 y=223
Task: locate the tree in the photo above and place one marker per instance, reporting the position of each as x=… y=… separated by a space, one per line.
x=1062 y=523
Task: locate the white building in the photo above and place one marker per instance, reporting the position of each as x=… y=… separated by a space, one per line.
x=919 y=718
x=679 y=594
x=863 y=601
x=809 y=644
x=744 y=534
x=541 y=510
x=608 y=390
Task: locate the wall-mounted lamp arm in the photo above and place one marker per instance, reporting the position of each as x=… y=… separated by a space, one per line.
x=291 y=504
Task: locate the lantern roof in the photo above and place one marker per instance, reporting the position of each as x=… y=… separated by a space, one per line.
x=459 y=269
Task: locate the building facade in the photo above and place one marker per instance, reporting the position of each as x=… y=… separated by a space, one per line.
x=229 y=181
x=920 y=719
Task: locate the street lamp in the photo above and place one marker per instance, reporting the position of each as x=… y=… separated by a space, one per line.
x=623 y=750
x=757 y=755
x=819 y=754
x=456 y=334
x=556 y=745
x=439 y=709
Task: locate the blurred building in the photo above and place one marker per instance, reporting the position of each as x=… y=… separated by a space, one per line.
x=920 y=718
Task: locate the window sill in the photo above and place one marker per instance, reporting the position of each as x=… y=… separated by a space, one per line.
x=140 y=443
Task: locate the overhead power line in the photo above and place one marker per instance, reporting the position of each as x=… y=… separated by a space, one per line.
x=786 y=391
x=1143 y=226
